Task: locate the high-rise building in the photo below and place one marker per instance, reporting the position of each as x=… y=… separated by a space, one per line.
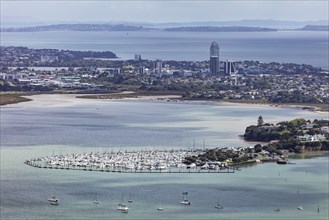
x=138 y=57
x=229 y=67
x=158 y=66
x=141 y=70
x=214 y=59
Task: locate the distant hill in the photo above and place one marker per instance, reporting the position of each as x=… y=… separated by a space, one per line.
x=23 y=21
x=220 y=29
x=277 y=24
x=315 y=28
x=130 y=27
x=120 y=27
x=77 y=27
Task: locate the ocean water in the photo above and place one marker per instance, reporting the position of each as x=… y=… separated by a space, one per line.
x=299 y=47
x=58 y=124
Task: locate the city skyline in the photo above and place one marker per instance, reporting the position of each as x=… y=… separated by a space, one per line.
x=161 y=11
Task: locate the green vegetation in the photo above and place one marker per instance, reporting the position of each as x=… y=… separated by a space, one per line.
x=284 y=135
x=11 y=98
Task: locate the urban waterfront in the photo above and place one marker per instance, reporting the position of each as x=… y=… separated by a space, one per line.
x=60 y=124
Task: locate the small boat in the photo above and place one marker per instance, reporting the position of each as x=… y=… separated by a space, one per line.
x=218 y=206
x=280 y=161
x=53 y=200
x=300 y=202
x=96 y=200
x=129 y=199
x=276 y=209
x=56 y=202
x=185 y=201
x=121 y=206
x=160 y=209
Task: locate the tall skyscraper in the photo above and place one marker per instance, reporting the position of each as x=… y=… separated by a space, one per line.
x=157 y=66
x=138 y=57
x=229 y=67
x=214 y=59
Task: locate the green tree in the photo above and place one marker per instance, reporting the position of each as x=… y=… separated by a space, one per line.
x=258 y=148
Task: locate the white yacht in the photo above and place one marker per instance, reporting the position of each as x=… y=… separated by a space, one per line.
x=300 y=208
x=218 y=206
x=160 y=209
x=122 y=207
x=96 y=201
x=53 y=200
x=185 y=201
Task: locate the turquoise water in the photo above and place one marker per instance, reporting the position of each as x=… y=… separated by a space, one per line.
x=300 y=47
x=250 y=193
x=27 y=130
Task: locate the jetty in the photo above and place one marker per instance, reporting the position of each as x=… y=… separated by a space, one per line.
x=147 y=161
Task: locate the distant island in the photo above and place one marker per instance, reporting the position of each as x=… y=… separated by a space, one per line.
x=221 y=29
x=77 y=27
x=123 y=27
x=315 y=28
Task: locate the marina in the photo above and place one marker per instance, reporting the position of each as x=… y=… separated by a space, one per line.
x=150 y=161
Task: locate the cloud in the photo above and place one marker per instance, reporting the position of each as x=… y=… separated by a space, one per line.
x=165 y=11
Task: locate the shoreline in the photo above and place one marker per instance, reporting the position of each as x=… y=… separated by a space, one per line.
x=14 y=98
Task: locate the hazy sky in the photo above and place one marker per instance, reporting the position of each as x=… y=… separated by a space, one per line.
x=164 y=11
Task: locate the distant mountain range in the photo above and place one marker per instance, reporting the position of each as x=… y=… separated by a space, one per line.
x=122 y=27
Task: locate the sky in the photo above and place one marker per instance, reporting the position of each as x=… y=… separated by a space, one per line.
x=158 y=11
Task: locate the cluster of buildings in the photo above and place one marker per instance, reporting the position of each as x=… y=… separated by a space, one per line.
x=209 y=79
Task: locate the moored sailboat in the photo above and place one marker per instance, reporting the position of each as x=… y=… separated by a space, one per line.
x=122 y=207
x=219 y=206
x=184 y=200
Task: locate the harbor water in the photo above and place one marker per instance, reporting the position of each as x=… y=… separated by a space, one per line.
x=279 y=46
x=62 y=124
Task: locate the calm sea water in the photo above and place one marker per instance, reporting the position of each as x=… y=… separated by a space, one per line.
x=44 y=126
x=283 y=46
